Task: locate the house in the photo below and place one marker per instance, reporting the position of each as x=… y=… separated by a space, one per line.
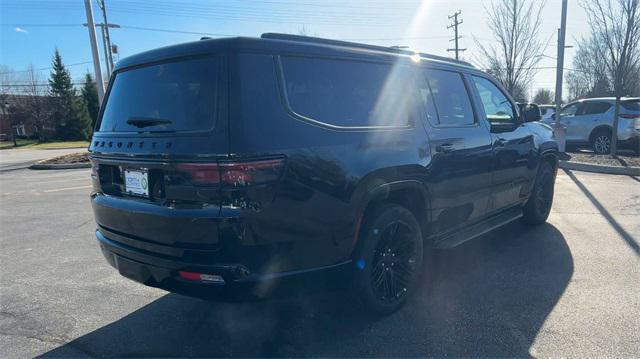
x=14 y=118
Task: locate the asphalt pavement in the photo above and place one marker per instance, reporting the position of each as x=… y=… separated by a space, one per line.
x=569 y=288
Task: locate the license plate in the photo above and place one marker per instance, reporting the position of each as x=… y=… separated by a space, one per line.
x=136 y=183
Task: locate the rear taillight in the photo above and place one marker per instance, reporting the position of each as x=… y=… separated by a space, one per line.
x=201 y=173
x=234 y=174
x=630 y=116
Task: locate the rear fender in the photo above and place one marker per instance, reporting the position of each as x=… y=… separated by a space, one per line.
x=376 y=192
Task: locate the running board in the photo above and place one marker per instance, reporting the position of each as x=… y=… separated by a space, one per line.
x=478 y=229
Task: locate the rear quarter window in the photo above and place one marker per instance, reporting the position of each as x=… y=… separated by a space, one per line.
x=631 y=105
x=349 y=94
x=167 y=97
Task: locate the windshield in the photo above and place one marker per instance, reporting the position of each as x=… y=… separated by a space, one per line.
x=174 y=96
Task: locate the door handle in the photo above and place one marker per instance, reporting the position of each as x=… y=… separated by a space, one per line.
x=501 y=142
x=444 y=148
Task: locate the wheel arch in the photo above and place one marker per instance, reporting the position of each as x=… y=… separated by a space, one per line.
x=599 y=129
x=411 y=194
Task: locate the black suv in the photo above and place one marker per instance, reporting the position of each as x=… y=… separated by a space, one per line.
x=238 y=163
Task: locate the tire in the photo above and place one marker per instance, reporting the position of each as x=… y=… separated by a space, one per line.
x=538 y=206
x=601 y=141
x=389 y=259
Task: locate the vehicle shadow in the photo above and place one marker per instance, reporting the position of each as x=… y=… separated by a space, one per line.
x=488 y=297
x=628 y=238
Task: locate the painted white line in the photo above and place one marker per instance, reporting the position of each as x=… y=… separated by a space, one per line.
x=65 y=189
x=58 y=181
x=63 y=173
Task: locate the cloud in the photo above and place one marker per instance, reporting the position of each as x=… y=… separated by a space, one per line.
x=19 y=29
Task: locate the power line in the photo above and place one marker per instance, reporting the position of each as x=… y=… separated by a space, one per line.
x=232 y=13
x=233 y=35
x=42 y=25
x=45 y=68
x=175 y=31
x=38 y=84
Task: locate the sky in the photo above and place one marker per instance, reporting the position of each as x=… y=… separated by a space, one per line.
x=30 y=30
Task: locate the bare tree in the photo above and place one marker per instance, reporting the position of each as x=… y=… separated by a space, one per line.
x=27 y=96
x=615 y=24
x=34 y=103
x=588 y=77
x=515 y=25
x=543 y=96
x=8 y=90
x=7 y=82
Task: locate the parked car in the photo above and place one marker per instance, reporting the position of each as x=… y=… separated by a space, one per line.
x=531 y=108
x=240 y=164
x=590 y=121
x=547 y=112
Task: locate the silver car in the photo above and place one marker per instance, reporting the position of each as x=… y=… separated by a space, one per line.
x=590 y=121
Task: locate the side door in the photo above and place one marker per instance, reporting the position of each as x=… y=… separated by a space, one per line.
x=591 y=115
x=460 y=146
x=514 y=156
x=569 y=117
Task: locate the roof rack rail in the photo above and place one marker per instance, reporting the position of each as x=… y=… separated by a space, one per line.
x=393 y=49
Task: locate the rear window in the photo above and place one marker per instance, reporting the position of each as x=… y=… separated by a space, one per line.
x=167 y=97
x=349 y=93
x=631 y=105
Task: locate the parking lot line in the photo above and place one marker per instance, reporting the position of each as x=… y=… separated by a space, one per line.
x=65 y=189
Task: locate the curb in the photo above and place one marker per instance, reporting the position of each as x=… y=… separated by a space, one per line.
x=577 y=166
x=59 y=166
x=16 y=166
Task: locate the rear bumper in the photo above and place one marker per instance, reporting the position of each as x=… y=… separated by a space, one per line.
x=632 y=142
x=239 y=282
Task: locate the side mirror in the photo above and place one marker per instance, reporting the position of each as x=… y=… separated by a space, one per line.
x=530 y=112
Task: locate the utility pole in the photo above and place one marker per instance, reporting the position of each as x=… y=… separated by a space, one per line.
x=94 y=50
x=105 y=48
x=108 y=50
x=107 y=39
x=455 y=24
x=558 y=129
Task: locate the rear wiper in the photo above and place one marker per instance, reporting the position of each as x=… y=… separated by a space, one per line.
x=146 y=122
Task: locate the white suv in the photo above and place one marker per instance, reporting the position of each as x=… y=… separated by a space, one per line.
x=589 y=121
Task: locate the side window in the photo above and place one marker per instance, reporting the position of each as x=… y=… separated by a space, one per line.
x=570 y=110
x=596 y=108
x=349 y=93
x=450 y=97
x=496 y=105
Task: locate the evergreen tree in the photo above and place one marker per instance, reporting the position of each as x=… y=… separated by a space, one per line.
x=70 y=114
x=90 y=96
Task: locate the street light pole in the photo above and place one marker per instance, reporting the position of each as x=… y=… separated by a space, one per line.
x=558 y=129
x=94 y=50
